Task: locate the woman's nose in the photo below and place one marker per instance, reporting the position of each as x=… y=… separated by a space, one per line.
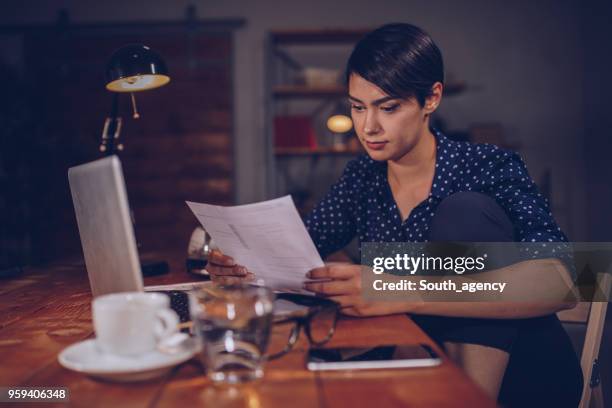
x=371 y=125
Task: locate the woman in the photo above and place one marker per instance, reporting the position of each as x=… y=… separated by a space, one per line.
x=415 y=185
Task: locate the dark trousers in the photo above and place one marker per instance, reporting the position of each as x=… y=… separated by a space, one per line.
x=543 y=369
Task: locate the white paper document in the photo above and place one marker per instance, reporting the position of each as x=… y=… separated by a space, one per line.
x=268 y=237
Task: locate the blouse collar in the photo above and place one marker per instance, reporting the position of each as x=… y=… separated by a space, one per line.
x=447 y=156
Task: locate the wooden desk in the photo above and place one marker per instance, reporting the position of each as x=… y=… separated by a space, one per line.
x=47 y=309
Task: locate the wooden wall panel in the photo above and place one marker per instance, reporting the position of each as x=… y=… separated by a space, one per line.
x=181 y=148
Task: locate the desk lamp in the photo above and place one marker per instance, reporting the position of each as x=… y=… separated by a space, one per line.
x=132 y=68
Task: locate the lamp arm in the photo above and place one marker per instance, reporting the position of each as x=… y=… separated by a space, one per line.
x=112 y=129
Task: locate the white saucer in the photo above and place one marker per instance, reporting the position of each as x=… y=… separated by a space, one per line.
x=84 y=357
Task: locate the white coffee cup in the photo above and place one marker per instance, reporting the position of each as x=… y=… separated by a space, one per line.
x=132 y=323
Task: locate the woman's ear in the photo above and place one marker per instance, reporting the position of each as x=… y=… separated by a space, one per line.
x=433 y=101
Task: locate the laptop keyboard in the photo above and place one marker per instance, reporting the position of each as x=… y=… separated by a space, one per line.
x=179 y=302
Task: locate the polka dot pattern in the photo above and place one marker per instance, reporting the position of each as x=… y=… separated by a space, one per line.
x=361 y=202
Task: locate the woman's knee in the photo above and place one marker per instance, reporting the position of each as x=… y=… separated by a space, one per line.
x=470 y=217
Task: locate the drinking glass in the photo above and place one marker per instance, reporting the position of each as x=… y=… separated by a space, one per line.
x=233 y=323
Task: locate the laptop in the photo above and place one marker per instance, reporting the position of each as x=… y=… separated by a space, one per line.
x=107 y=234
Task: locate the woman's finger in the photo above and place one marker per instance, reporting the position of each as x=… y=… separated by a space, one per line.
x=330 y=288
x=218 y=258
x=334 y=271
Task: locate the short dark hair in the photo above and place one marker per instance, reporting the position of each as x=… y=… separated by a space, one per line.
x=401 y=59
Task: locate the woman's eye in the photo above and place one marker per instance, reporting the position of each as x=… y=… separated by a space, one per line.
x=389 y=109
x=357 y=108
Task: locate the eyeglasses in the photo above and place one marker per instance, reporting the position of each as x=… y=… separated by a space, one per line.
x=318 y=317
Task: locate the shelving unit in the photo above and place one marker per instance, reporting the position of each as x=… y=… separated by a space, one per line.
x=285 y=95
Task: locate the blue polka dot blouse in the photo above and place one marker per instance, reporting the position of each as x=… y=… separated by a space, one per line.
x=361 y=202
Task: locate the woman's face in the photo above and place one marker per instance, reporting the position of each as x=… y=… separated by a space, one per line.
x=387 y=128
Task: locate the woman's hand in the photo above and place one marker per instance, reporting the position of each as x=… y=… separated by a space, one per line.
x=343 y=285
x=223 y=269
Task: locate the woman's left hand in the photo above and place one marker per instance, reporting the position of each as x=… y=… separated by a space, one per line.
x=343 y=285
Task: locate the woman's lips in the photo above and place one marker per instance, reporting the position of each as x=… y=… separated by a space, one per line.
x=376 y=145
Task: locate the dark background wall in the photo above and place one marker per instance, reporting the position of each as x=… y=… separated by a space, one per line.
x=54 y=105
x=536 y=68
x=597 y=136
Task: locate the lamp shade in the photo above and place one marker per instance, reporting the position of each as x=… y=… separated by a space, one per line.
x=134 y=68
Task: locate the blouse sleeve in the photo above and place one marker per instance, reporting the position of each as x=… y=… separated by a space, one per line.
x=331 y=223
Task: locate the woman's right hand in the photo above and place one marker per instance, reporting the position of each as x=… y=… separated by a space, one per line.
x=223 y=269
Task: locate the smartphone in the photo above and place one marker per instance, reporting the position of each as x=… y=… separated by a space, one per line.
x=365 y=358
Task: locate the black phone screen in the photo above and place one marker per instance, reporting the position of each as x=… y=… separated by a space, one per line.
x=377 y=353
